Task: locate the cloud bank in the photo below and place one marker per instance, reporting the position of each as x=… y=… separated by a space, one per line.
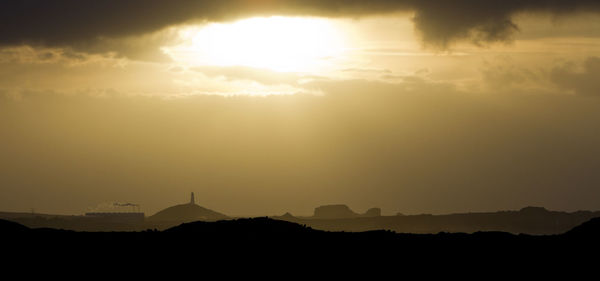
x=85 y=23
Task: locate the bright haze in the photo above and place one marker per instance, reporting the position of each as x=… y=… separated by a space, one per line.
x=262 y=107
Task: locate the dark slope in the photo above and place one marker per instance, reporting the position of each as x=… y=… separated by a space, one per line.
x=589 y=229
x=12 y=227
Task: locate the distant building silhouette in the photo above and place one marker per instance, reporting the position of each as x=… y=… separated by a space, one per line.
x=192 y=200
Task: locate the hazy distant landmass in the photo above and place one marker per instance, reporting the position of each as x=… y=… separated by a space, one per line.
x=333 y=234
x=529 y=220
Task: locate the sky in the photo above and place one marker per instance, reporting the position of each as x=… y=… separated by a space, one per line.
x=262 y=107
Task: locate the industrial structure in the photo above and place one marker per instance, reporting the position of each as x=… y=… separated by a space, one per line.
x=134 y=216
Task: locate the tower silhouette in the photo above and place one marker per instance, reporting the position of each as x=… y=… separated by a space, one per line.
x=192 y=200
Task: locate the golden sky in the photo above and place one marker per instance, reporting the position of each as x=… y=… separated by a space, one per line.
x=263 y=107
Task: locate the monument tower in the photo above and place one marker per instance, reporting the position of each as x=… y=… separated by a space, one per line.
x=192 y=200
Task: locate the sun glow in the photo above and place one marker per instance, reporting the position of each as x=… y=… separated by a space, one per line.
x=286 y=44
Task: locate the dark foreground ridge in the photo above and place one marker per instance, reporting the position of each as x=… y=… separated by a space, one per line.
x=263 y=229
x=268 y=228
x=259 y=241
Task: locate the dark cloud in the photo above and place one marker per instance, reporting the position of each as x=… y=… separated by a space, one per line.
x=582 y=80
x=145 y=47
x=441 y=22
x=60 y=22
x=74 y=22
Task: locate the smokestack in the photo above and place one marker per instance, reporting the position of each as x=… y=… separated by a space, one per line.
x=192 y=201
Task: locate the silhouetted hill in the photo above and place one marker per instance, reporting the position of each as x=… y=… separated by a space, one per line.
x=186 y=213
x=288 y=216
x=342 y=212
